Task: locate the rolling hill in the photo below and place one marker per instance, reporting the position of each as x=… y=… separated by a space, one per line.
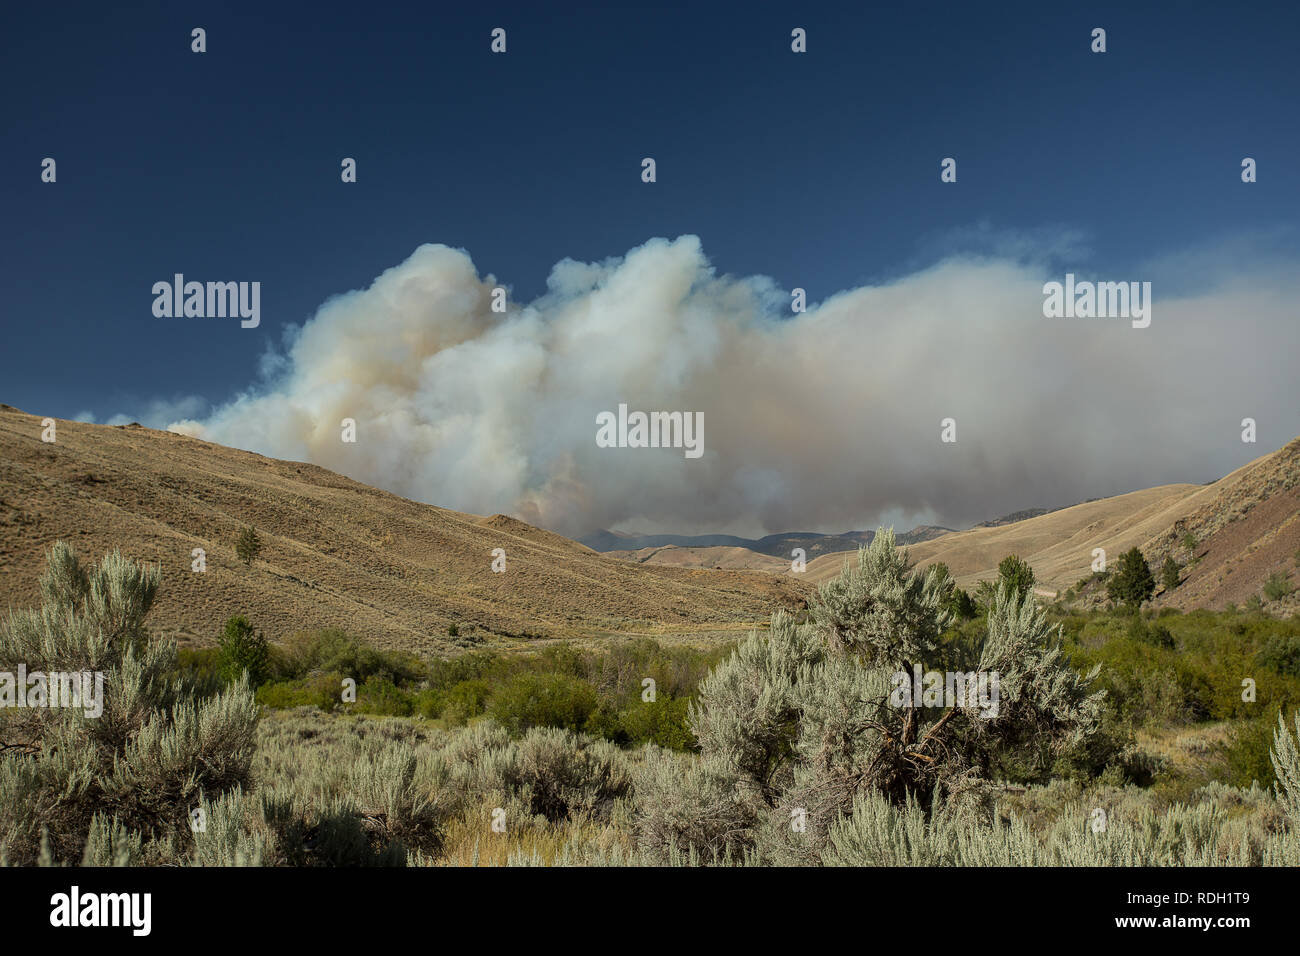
x=1246 y=526
x=770 y=553
x=336 y=553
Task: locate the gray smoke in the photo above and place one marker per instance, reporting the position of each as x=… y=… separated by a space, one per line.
x=826 y=420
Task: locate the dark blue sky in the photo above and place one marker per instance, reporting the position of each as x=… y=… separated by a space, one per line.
x=819 y=170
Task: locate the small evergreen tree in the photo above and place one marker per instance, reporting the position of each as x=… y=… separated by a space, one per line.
x=240 y=651
x=960 y=604
x=1015 y=574
x=1133 y=583
x=248 y=546
x=1169 y=573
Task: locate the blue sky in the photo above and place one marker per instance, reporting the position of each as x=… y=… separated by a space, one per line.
x=818 y=170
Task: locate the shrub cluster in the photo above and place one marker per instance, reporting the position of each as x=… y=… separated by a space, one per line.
x=603 y=693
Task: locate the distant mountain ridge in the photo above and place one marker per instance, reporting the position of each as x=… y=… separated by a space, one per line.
x=773 y=545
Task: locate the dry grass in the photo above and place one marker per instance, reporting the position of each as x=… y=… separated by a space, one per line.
x=336 y=553
x=471 y=841
x=1248 y=520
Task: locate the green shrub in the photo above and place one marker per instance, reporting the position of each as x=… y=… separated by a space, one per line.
x=428 y=702
x=324 y=691
x=335 y=651
x=1015 y=573
x=248 y=546
x=383 y=698
x=1245 y=755
x=1277 y=586
x=465 y=701
x=663 y=721
x=1281 y=653
x=1170 y=573
x=542 y=700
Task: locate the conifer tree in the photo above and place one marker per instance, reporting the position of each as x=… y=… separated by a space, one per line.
x=242 y=650
x=1133 y=583
x=248 y=546
x=1169 y=573
x=1015 y=573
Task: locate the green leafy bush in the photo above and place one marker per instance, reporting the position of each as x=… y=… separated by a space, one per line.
x=1277 y=586
x=1246 y=753
x=466 y=701
x=663 y=721
x=319 y=690
x=543 y=700
x=383 y=698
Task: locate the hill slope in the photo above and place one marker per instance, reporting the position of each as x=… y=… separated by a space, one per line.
x=773 y=553
x=335 y=552
x=1246 y=525
x=1247 y=530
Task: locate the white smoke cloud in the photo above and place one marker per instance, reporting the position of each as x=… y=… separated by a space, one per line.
x=826 y=420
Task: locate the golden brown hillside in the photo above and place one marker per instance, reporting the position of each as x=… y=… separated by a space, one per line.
x=335 y=552
x=729 y=558
x=1246 y=532
x=1246 y=524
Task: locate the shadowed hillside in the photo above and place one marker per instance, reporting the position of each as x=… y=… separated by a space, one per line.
x=335 y=552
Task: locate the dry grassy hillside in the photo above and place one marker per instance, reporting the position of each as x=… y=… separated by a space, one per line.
x=1246 y=523
x=1059 y=545
x=335 y=552
x=1246 y=531
x=716 y=557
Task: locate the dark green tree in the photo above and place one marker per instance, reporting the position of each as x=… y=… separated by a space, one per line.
x=960 y=604
x=1169 y=576
x=963 y=605
x=248 y=546
x=1133 y=583
x=240 y=650
x=1015 y=573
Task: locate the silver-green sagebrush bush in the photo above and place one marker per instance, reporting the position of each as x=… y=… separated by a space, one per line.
x=117 y=786
x=801 y=723
x=805 y=757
